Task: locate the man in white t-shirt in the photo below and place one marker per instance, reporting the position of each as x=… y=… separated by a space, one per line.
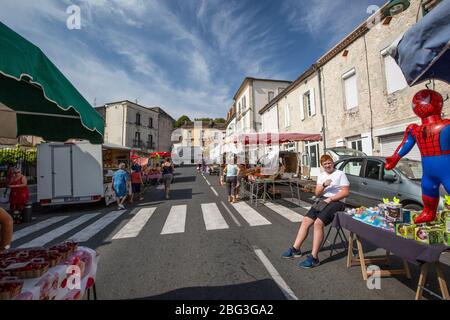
x=332 y=189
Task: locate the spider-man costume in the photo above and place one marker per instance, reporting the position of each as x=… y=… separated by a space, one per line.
x=433 y=140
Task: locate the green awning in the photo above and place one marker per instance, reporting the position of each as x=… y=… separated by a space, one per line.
x=37 y=99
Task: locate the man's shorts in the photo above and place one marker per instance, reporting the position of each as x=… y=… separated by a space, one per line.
x=327 y=214
x=136 y=187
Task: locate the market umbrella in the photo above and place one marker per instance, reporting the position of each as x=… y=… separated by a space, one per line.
x=423 y=52
x=37 y=99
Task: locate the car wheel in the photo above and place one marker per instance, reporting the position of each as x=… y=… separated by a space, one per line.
x=413 y=207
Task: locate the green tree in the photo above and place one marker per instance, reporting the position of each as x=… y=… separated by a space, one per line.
x=181 y=121
x=220 y=120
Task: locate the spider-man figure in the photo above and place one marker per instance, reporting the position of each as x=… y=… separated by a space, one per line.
x=433 y=139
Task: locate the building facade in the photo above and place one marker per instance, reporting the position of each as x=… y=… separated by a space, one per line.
x=365 y=95
x=132 y=125
x=251 y=97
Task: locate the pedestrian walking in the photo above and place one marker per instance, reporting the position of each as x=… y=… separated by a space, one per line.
x=167 y=173
x=136 y=185
x=231 y=172
x=120 y=182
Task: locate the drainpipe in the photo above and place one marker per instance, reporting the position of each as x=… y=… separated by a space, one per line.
x=319 y=73
x=123 y=126
x=370 y=93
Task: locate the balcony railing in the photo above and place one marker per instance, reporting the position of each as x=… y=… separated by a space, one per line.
x=150 y=145
x=138 y=143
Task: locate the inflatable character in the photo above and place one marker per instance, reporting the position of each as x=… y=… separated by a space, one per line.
x=433 y=140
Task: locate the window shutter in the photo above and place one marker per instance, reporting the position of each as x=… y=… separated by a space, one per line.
x=302 y=107
x=313 y=102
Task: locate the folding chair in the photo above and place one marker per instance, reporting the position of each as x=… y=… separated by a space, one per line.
x=339 y=233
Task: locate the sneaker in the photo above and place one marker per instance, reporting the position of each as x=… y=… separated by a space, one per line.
x=291 y=253
x=310 y=262
x=121 y=207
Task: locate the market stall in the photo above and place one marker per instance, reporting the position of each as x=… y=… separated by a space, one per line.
x=274 y=168
x=62 y=272
x=390 y=227
x=113 y=155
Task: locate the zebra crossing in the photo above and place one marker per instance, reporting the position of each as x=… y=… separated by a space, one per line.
x=214 y=216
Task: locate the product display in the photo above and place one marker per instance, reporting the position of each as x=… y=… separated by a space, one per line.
x=405 y=230
x=44 y=274
x=429 y=234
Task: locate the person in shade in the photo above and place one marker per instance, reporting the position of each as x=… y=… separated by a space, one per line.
x=331 y=190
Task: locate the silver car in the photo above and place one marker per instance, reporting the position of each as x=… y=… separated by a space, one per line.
x=370 y=182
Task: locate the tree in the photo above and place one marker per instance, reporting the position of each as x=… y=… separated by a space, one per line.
x=182 y=120
x=220 y=120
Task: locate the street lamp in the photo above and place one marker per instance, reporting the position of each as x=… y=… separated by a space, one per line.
x=395 y=7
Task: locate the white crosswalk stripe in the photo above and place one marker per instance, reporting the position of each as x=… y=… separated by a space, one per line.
x=303 y=204
x=250 y=215
x=135 y=225
x=212 y=217
x=97 y=226
x=49 y=236
x=176 y=220
x=285 y=212
x=36 y=227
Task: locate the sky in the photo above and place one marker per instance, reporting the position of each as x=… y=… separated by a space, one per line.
x=185 y=56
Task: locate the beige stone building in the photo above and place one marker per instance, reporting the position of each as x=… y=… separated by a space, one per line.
x=197 y=141
x=366 y=99
x=297 y=109
x=250 y=98
x=132 y=125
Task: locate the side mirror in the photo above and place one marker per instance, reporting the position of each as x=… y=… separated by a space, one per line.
x=391 y=178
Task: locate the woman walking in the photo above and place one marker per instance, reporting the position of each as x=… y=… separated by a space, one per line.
x=167 y=173
x=19 y=192
x=231 y=172
x=120 y=182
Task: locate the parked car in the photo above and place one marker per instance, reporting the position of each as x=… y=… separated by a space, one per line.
x=370 y=182
x=339 y=153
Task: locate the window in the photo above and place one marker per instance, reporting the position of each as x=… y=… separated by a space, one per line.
x=287 y=116
x=356 y=144
x=353 y=167
x=239 y=107
x=373 y=169
x=244 y=103
x=313 y=152
x=138 y=119
x=395 y=80
x=150 y=122
x=270 y=96
x=307 y=103
x=350 y=89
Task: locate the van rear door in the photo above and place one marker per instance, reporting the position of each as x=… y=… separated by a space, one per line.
x=62 y=171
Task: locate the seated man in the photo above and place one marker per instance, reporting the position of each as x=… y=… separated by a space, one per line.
x=332 y=188
x=6 y=230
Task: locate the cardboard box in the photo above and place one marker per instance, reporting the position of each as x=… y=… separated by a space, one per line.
x=429 y=234
x=405 y=230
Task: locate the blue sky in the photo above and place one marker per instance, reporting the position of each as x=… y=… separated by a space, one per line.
x=186 y=56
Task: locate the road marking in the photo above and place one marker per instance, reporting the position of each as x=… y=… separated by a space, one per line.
x=176 y=220
x=231 y=214
x=97 y=226
x=212 y=217
x=213 y=190
x=288 y=293
x=160 y=187
x=208 y=183
x=49 y=236
x=250 y=215
x=135 y=225
x=285 y=212
x=303 y=204
x=36 y=227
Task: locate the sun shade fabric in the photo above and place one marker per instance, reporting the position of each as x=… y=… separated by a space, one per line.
x=423 y=52
x=44 y=102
